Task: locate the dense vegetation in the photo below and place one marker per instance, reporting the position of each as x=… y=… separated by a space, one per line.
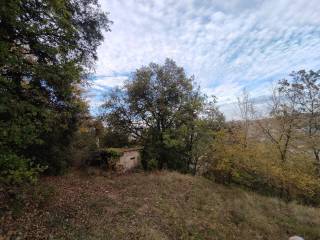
x=275 y=154
x=163 y=110
x=47 y=53
x=46 y=50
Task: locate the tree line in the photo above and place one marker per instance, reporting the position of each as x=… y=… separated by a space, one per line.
x=274 y=152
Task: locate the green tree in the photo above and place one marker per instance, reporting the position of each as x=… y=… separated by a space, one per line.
x=47 y=48
x=115 y=138
x=158 y=106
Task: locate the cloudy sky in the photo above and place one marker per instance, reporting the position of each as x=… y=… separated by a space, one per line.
x=227 y=45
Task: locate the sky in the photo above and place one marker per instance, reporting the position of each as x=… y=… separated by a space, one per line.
x=228 y=45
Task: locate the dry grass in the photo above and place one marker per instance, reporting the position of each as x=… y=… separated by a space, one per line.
x=164 y=205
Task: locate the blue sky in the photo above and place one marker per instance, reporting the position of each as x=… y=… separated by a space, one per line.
x=227 y=45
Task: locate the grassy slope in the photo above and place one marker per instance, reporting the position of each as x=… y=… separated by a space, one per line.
x=162 y=206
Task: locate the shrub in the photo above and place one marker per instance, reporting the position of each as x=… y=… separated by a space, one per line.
x=269 y=179
x=257 y=167
x=17 y=176
x=105 y=157
x=15 y=170
x=152 y=164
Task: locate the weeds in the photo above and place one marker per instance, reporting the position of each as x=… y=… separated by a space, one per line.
x=164 y=205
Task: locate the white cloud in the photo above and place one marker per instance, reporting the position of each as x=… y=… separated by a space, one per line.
x=108 y=81
x=227 y=45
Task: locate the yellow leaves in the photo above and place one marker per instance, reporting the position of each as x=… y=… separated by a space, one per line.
x=83 y=129
x=257 y=165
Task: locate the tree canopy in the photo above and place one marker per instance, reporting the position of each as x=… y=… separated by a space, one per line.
x=46 y=50
x=158 y=106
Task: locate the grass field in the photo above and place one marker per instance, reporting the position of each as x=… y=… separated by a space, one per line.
x=164 y=205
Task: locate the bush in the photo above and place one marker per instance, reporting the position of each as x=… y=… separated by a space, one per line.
x=152 y=164
x=278 y=181
x=15 y=170
x=256 y=166
x=17 y=176
x=105 y=158
x=272 y=180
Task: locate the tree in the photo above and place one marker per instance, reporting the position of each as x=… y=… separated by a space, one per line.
x=211 y=114
x=245 y=106
x=204 y=133
x=280 y=127
x=304 y=91
x=155 y=106
x=47 y=48
x=115 y=138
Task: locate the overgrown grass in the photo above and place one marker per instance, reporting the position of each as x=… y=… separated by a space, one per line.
x=162 y=205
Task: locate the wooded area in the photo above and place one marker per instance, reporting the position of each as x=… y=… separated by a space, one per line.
x=47 y=54
x=48 y=50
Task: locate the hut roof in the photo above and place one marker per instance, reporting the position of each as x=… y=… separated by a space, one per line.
x=122 y=150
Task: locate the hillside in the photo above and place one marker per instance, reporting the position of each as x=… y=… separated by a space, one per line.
x=164 y=205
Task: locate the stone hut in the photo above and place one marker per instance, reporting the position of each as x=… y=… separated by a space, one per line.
x=128 y=159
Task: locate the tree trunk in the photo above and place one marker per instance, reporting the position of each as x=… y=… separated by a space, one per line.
x=317 y=163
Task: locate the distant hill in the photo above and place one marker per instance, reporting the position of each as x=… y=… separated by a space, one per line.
x=165 y=205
